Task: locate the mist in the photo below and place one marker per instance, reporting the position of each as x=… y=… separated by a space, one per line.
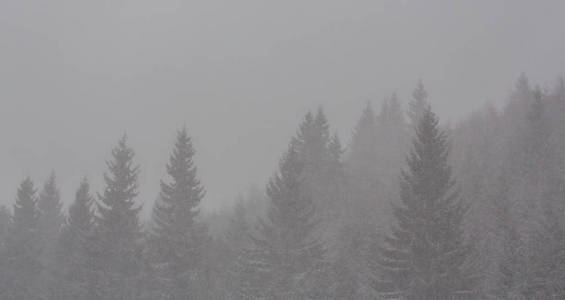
x=241 y=79
x=76 y=75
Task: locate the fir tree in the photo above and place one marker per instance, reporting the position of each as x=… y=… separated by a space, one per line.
x=287 y=255
x=80 y=221
x=425 y=256
x=362 y=166
x=364 y=138
x=337 y=183
x=21 y=258
x=237 y=234
x=548 y=242
x=238 y=241
x=118 y=233
x=418 y=105
x=177 y=236
x=312 y=142
x=50 y=222
x=393 y=139
x=50 y=215
x=321 y=155
x=542 y=239
x=335 y=148
x=50 y=208
x=77 y=235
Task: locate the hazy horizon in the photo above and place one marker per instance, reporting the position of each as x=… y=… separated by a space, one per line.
x=77 y=75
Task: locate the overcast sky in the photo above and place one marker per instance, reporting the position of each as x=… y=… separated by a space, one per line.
x=75 y=75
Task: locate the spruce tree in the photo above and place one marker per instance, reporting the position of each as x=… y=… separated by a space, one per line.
x=321 y=155
x=287 y=256
x=548 y=242
x=50 y=222
x=118 y=232
x=312 y=142
x=362 y=166
x=337 y=182
x=237 y=241
x=77 y=236
x=425 y=256
x=178 y=237
x=237 y=235
x=80 y=221
x=393 y=141
x=367 y=209
x=542 y=239
x=50 y=208
x=50 y=216
x=21 y=263
x=418 y=105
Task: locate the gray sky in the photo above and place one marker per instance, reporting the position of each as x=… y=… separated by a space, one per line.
x=75 y=75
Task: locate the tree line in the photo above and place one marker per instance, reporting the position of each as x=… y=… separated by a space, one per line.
x=409 y=209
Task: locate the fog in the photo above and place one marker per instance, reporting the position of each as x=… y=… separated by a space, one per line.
x=172 y=150
x=76 y=75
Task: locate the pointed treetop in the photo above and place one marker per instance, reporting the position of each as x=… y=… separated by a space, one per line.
x=427 y=240
x=49 y=197
x=81 y=215
x=291 y=208
x=418 y=104
x=365 y=129
x=368 y=116
x=122 y=170
x=420 y=93
x=51 y=216
x=118 y=197
x=321 y=119
x=25 y=207
x=335 y=147
x=180 y=197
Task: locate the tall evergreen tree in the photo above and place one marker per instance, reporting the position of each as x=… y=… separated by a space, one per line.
x=118 y=233
x=80 y=221
x=287 y=255
x=238 y=241
x=393 y=141
x=362 y=167
x=417 y=106
x=21 y=262
x=337 y=182
x=50 y=222
x=50 y=207
x=540 y=195
x=77 y=235
x=312 y=142
x=366 y=208
x=177 y=236
x=237 y=234
x=425 y=256
x=322 y=169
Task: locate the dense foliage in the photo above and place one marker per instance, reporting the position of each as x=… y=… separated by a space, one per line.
x=410 y=208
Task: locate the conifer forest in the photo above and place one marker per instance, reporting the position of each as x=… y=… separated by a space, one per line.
x=174 y=150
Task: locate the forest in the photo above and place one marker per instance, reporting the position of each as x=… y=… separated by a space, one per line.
x=410 y=207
